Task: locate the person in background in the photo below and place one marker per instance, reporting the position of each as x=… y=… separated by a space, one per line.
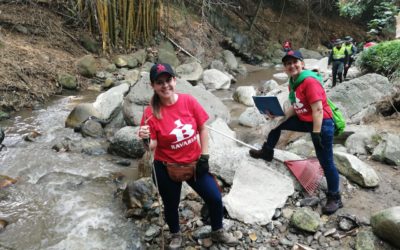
x=339 y=59
x=351 y=52
x=369 y=44
x=286 y=46
x=308 y=113
x=175 y=124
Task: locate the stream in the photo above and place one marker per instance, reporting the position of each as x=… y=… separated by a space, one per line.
x=68 y=200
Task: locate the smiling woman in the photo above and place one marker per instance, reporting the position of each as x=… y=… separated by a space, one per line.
x=176 y=123
x=309 y=113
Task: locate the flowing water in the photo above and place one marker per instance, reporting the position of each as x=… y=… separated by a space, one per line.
x=62 y=200
x=67 y=200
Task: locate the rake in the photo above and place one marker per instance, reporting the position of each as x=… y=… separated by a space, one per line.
x=308 y=172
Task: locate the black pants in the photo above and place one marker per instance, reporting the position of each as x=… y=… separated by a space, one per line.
x=337 y=70
x=351 y=60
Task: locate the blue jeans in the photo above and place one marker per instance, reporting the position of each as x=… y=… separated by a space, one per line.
x=324 y=154
x=170 y=192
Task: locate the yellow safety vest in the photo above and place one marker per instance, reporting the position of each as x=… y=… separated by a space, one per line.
x=339 y=53
x=349 y=49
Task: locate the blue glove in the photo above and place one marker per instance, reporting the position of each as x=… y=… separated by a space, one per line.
x=202 y=166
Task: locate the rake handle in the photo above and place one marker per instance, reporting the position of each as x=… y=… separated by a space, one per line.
x=236 y=140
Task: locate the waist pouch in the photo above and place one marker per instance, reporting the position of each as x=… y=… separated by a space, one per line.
x=181 y=172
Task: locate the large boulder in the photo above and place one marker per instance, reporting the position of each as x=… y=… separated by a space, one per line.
x=356 y=170
x=386 y=225
x=388 y=149
x=80 y=114
x=215 y=79
x=358 y=94
x=110 y=102
x=126 y=143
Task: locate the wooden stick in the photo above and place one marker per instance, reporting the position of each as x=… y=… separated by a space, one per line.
x=185 y=51
x=230 y=137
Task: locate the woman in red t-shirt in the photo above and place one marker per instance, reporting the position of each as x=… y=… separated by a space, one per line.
x=310 y=113
x=175 y=125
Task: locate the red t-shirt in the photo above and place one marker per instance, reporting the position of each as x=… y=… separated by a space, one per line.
x=308 y=92
x=177 y=132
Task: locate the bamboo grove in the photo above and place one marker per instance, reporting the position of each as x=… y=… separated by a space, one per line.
x=121 y=23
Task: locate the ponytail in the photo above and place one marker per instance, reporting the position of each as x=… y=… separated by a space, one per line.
x=155 y=103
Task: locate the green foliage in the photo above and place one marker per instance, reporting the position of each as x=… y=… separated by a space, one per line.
x=384 y=15
x=351 y=9
x=383 y=58
x=383 y=12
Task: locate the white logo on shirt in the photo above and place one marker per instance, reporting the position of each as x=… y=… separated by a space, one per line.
x=298 y=107
x=182 y=131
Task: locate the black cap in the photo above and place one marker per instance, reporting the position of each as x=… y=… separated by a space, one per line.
x=160 y=68
x=348 y=39
x=293 y=53
x=337 y=42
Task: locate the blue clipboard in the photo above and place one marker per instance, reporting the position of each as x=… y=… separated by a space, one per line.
x=268 y=103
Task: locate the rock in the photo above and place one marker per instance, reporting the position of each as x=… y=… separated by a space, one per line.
x=166 y=54
x=306 y=219
x=230 y=59
x=140 y=194
x=216 y=64
x=353 y=96
x=309 y=201
x=281 y=76
x=268 y=86
x=4 y=115
x=356 y=170
x=251 y=117
x=365 y=241
x=250 y=200
x=388 y=149
x=215 y=79
x=386 y=225
x=92 y=128
x=67 y=81
x=126 y=143
x=110 y=102
x=202 y=232
x=80 y=114
x=243 y=94
x=190 y=71
x=89 y=43
x=87 y=66
x=120 y=61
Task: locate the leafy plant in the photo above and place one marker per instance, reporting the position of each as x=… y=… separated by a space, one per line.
x=382 y=58
x=379 y=14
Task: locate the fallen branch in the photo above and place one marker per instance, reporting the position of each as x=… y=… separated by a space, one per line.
x=185 y=51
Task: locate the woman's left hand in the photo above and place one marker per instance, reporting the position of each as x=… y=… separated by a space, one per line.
x=317 y=139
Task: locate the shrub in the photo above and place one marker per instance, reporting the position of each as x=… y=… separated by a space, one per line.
x=383 y=58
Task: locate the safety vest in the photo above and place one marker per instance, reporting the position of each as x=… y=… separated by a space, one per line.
x=339 y=53
x=349 y=49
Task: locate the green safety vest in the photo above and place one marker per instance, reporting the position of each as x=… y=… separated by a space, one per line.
x=349 y=49
x=339 y=53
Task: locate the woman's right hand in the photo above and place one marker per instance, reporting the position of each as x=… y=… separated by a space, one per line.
x=144 y=132
x=268 y=115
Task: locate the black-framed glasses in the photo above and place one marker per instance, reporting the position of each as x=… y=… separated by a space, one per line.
x=161 y=82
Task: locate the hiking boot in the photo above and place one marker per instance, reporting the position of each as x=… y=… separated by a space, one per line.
x=265 y=153
x=333 y=203
x=221 y=236
x=176 y=241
